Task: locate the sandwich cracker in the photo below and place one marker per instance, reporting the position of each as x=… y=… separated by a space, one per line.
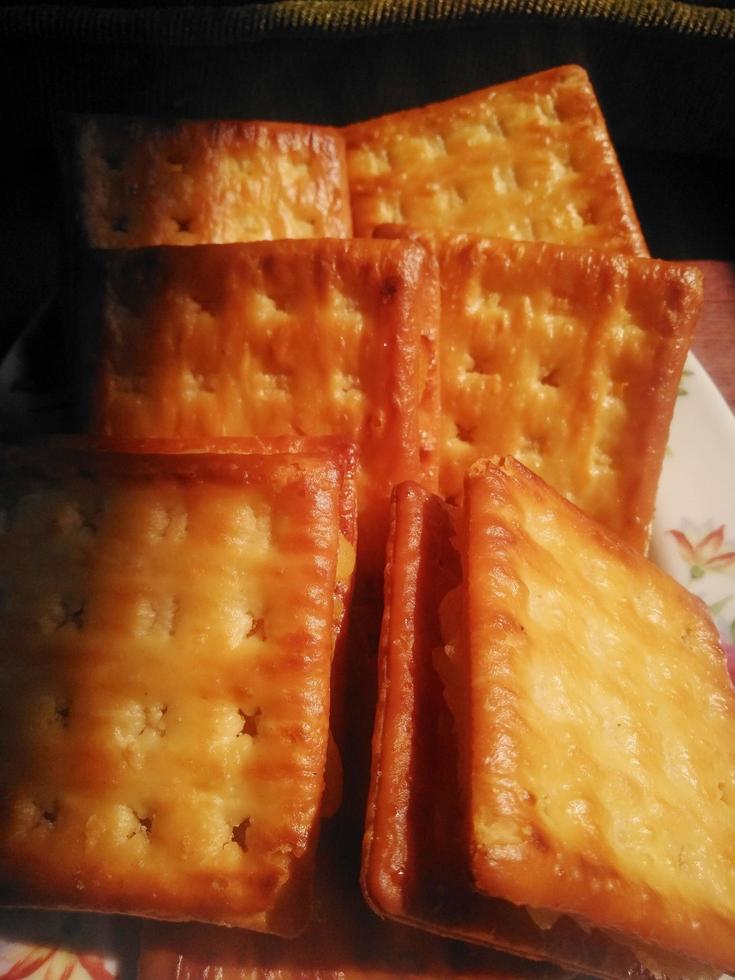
x=601 y=726
x=167 y=635
x=464 y=773
x=530 y=159
x=272 y=339
x=140 y=182
x=568 y=359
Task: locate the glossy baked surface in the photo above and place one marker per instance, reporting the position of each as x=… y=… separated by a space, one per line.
x=166 y=638
x=530 y=159
x=314 y=451
x=416 y=860
x=138 y=182
x=343 y=941
x=281 y=338
x=567 y=359
x=600 y=729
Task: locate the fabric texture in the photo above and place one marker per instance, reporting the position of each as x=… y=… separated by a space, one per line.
x=162 y=24
x=664 y=70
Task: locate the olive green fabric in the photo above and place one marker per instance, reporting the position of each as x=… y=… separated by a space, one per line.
x=664 y=70
x=162 y=24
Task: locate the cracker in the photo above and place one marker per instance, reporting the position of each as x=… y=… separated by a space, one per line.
x=410 y=799
x=344 y=941
x=325 y=449
x=530 y=159
x=601 y=726
x=284 y=338
x=140 y=182
x=342 y=455
x=166 y=637
x=415 y=861
x=445 y=756
x=567 y=359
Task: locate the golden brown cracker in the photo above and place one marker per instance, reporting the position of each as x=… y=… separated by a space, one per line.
x=440 y=738
x=530 y=159
x=567 y=359
x=344 y=941
x=167 y=633
x=600 y=726
x=267 y=339
x=140 y=182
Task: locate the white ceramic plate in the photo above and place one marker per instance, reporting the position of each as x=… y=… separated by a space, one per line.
x=693 y=540
x=64 y=946
x=694 y=528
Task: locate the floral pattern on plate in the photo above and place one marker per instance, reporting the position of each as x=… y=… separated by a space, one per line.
x=58 y=946
x=694 y=530
x=18 y=960
x=708 y=554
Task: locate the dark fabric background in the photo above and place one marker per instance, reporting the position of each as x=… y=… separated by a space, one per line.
x=664 y=72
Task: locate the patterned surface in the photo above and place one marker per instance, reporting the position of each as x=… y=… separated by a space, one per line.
x=612 y=787
x=527 y=160
x=283 y=338
x=140 y=184
x=568 y=360
x=694 y=527
x=167 y=639
x=154 y=26
x=62 y=946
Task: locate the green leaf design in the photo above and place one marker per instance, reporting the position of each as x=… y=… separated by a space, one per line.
x=717 y=607
x=686 y=373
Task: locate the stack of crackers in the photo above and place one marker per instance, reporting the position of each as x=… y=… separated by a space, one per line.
x=375 y=427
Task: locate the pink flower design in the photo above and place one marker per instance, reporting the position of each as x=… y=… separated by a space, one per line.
x=42 y=963
x=729 y=649
x=706 y=554
x=726 y=629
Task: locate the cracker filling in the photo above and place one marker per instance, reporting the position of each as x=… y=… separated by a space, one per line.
x=448 y=660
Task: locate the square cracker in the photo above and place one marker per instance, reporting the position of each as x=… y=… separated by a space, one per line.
x=458 y=745
x=166 y=640
x=326 y=449
x=600 y=727
x=568 y=359
x=416 y=865
x=530 y=159
x=342 y=455
x=279 y=338
x=344 y=941
x=139 y=182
